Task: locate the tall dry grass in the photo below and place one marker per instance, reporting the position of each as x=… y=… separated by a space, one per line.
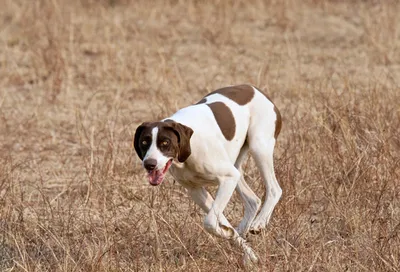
x=77 y=77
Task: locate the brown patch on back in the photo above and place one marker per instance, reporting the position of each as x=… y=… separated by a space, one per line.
x=241 y=94
x=225 y=120
x=202 y=101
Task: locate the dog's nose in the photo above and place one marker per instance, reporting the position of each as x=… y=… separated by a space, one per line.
x=150 y=164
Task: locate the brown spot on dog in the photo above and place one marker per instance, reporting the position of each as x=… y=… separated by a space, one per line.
x=241 y=94
x=278 y=122
x=202 y=101
x=225 y=120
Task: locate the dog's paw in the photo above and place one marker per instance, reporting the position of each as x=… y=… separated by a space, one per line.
x=249 y=260
x=255 y=232
x=257 y=227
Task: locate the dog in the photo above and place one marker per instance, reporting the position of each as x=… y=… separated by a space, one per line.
x=206 y=144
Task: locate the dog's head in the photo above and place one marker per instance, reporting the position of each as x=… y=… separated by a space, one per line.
x=158 y=144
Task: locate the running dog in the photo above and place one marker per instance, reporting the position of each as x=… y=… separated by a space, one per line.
x=206 y=143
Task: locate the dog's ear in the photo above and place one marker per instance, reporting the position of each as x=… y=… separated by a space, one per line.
x=183 y=133
x=138 y=132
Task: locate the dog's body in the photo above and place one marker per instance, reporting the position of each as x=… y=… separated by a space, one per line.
x=206 y=144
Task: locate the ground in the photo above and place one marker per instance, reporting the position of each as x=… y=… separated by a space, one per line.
x=77 y=77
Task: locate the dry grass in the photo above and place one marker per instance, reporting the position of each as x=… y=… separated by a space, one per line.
x=77 y=77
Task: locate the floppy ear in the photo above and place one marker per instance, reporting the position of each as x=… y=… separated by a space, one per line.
x=138 y=132
x=184 y=133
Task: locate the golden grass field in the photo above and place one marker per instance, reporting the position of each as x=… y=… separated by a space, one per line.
x=77 y=78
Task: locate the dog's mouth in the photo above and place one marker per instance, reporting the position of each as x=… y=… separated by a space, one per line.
x=156 y=177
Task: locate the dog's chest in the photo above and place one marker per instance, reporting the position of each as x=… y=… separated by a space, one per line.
x=194 y=175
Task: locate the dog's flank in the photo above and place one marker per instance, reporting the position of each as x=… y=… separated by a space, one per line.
x=206 y=144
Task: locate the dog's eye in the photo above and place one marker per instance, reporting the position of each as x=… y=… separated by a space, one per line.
x=165 y=143
x=144 y=142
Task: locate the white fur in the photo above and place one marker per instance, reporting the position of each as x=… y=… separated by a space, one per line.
x=217 y=161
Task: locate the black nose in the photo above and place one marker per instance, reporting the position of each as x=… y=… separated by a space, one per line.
x=150 y=164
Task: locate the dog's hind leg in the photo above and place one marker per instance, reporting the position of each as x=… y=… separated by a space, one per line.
x=250 y=200
x=262 y=151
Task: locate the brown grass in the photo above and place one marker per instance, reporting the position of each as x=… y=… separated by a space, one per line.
x=77 y=77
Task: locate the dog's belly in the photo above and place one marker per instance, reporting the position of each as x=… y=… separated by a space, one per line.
x=194 y=177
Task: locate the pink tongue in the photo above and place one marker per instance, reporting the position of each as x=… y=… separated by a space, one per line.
x=155 y=177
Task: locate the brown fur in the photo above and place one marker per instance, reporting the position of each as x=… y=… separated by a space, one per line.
x=202 y=101
x=278 y=122
x=241 y=94
x=225 y=120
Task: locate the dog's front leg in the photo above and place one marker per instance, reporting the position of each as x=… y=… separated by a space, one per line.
x=203 y=198
x=216 y=223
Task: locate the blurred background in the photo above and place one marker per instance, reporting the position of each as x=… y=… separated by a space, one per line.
x=78 y=77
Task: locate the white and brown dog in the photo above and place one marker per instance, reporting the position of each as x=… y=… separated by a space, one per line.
x=206 y=144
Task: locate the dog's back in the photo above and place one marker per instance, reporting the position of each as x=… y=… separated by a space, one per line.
x=224 y=119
